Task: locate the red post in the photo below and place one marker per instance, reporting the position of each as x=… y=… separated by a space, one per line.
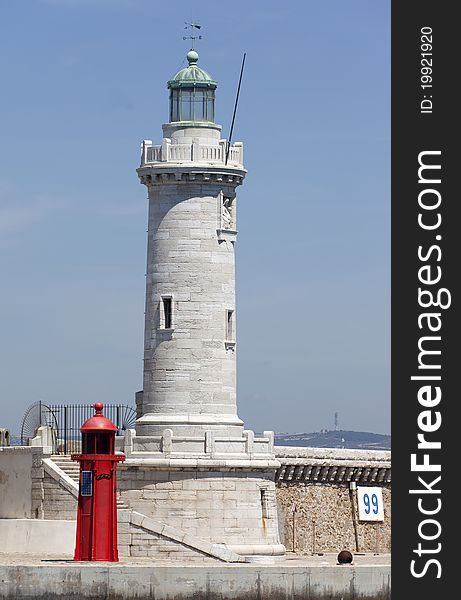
x=97 y=500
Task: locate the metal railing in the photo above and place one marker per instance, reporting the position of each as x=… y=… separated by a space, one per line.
x=66 y=420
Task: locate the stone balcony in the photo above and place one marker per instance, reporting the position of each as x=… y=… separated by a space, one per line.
x=209 y=450
x=196 y=152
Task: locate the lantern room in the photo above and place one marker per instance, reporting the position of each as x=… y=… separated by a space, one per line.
x=192 y=93
x=98 y=433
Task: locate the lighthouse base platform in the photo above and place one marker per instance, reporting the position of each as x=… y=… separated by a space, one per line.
x=201 y=496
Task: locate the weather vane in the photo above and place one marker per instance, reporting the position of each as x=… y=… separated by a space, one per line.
x=193 y=27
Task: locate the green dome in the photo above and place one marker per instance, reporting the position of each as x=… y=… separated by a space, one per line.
x=192 y=75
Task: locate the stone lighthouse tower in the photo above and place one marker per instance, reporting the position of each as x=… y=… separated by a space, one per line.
x=189 y=348
x=191 y=465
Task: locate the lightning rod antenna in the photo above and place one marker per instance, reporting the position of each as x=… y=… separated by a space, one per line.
x=235 y=108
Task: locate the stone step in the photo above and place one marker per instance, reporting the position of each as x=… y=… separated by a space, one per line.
x=71 y=468
x=66 y=467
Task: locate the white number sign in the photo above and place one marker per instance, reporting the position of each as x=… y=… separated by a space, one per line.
x=370 y=501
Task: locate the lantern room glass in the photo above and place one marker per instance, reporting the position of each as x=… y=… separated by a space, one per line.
x=100 y=442
x=192 y=104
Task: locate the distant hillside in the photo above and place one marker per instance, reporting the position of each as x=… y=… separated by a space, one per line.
x=335 y=439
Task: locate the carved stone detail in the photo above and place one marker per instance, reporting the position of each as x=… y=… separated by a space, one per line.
x=185 y=176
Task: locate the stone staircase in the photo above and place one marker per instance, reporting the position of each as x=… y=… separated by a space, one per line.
x=69 y=467
x=72 y=469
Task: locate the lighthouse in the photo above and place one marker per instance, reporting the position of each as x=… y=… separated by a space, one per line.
x=191 y=467
x=190 y=323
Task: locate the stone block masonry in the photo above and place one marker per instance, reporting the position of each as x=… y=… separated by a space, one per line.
x=58 y=503
x=140 y=535
x=189 y=366
x=235 y=508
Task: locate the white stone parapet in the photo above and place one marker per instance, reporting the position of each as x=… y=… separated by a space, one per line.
x=196 y=152
x=209 y=450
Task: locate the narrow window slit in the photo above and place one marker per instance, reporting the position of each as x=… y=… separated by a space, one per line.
x=167 y=312
x=230 y=325
x=264 y=507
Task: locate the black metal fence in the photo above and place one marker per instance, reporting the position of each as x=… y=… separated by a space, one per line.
x=66 y=420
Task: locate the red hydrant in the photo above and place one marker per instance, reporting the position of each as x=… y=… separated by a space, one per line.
x=97 y=501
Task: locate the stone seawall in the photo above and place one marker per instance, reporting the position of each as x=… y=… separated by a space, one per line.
x=325 y=513
x=74 y=581
x=317 y=481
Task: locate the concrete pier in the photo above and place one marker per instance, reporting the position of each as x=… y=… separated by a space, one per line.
x=298 y=578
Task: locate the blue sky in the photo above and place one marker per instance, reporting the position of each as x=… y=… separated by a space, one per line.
x=83 y=82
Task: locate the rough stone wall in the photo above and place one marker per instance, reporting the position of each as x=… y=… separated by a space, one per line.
x=329 y=504
x=58 y=503
x=232 y=508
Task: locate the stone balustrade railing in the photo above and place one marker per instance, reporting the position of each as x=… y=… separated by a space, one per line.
x=196 y=152
x=210 y=446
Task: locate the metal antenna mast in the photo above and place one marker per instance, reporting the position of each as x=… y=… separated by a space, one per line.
x=235 y=107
